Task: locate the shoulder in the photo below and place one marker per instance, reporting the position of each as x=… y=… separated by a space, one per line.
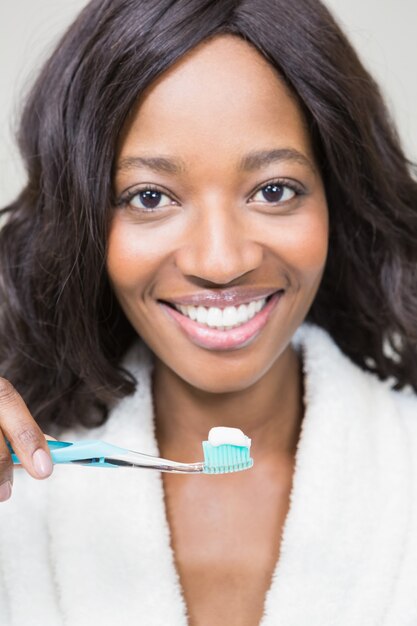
x=331 y=374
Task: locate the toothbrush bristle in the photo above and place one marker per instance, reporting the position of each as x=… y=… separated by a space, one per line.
x=225 y=458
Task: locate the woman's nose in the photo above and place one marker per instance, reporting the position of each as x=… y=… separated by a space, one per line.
x=218 y=246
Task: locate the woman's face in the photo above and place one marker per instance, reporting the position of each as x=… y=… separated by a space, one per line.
x=220 y=204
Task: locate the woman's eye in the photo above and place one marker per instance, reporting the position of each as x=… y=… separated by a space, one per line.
x=273 y=193
x=149 y=199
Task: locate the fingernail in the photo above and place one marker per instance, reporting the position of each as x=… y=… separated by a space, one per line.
x=5 y=491
x=42 y=463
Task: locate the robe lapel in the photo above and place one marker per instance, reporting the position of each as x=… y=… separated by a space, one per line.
x=24 y=549
x=109 y=534
x=344 y=536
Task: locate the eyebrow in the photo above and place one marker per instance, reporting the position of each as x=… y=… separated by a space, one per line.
x=250 y=162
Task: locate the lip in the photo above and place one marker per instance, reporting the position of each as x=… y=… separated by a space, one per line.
x=232 y=339
x=221 y=298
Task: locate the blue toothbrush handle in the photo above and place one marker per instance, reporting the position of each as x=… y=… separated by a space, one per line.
x=92 y=451
x=218 y=459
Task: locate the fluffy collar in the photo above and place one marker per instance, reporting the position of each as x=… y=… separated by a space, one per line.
x=104 y=538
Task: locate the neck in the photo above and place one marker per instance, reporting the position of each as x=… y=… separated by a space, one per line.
x=270 y=412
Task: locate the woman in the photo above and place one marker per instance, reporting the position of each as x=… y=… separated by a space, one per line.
x=218 y=228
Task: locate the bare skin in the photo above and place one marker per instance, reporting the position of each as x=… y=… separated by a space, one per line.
x=226 y=542
x=226 y=530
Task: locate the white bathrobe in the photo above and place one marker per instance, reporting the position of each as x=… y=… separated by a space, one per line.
x=91 y=545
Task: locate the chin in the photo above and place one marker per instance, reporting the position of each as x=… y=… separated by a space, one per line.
x=221 y=378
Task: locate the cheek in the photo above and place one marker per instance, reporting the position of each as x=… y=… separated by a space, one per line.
x=137 y=253
x=313 y=245
x=122 y=256
x=132 y=257
x=303 y=244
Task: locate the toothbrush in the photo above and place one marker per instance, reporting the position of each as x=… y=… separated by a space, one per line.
x=227 y=450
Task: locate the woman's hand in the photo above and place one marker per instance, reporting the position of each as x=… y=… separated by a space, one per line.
x=26 y=438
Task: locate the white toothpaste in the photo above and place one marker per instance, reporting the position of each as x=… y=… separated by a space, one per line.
x=221 y=435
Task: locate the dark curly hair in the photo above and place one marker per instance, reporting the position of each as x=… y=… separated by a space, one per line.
x=62 y=332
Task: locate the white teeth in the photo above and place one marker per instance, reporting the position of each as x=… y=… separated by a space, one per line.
x=201 y=315
x=229 y=316
x=258 y=306
x=214 y=317
x=252 y=309
x=242 y=314
x=223 y=319
x=191 y=311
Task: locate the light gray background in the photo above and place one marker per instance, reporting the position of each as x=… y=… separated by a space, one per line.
x=383 y=31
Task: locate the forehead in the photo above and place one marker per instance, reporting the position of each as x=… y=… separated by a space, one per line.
x=222 y=94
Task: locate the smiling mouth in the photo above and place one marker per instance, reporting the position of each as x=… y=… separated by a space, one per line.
x=222 y=318
x=220 y=335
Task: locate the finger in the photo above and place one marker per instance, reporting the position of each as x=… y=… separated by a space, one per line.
x=24 y=434
x=48 y=438
x=6 y=471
